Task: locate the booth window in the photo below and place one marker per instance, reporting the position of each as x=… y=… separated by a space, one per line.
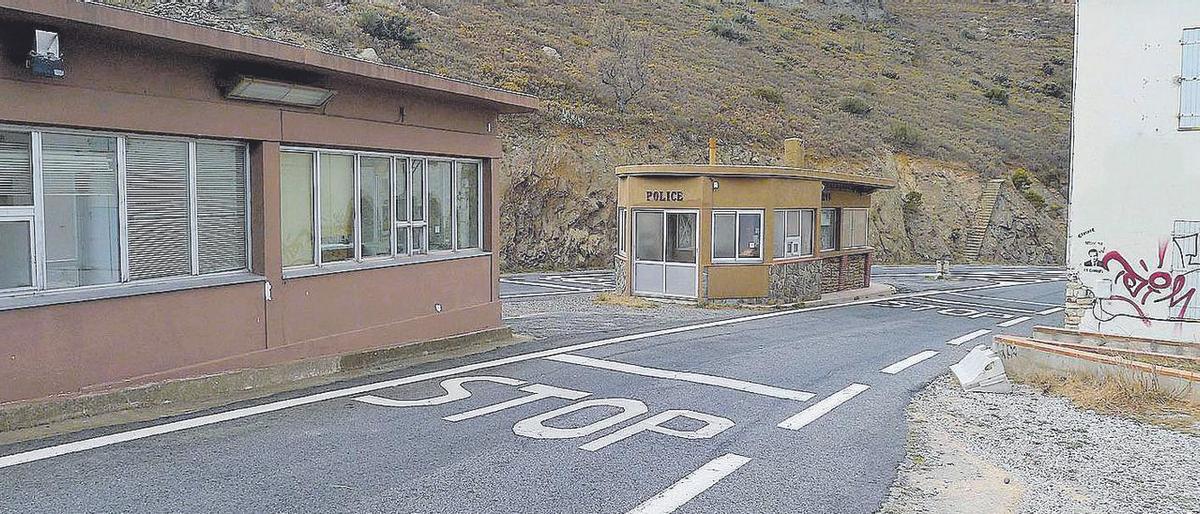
x=1189 y=81
x=793 y=233
x=854 y=228
x=737 y=236
x=89 y=209
x=829 y=230
x=622 y=237
x=342 y=208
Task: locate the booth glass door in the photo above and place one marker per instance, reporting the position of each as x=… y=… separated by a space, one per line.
x=664 y=262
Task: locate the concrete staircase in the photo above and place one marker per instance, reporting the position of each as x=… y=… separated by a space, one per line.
x=983 y=218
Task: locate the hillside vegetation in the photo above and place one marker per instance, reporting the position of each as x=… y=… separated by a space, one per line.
x=941 y=95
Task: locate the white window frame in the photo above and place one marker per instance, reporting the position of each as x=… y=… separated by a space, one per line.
x=836 y=229
x=737 y=235
x=37 y=212
x=396 y=257
x=622 y=237
x=1189 y=84
x=799 y=254
x=9 y=215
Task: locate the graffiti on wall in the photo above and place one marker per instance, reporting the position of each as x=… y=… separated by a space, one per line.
x=1134 y=289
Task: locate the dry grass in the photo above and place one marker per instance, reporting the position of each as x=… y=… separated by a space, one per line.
x=1137 y=397
x=621 y=300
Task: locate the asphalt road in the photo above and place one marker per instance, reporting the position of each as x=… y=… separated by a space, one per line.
x=782 y=411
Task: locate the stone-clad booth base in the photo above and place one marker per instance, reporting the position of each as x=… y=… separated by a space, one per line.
x=180 y=396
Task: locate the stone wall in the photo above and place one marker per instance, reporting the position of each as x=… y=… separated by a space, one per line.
x=795 y=282
x=621 y=267
x=835 y=278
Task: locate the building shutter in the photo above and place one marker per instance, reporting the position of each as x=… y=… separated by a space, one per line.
x=156 y=184
x=16 y=171
x=221 y=207
x=1189 y=81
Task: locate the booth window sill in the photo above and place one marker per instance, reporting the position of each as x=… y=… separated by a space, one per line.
x=45 y=298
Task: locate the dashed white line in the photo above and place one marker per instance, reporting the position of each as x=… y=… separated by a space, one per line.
x=1014 y=321
x=1050 y=311
x=696 y=378
x=821 y=408
x=543 y=284
x=969 y=337
x=1009 y=300
x=692 y=485
x=909 y=362
x=957 y=303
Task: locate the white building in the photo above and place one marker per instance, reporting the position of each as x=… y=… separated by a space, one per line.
x=1135 y=170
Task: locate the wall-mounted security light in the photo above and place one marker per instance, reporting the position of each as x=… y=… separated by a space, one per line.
x=45 y=60
x=270 y=91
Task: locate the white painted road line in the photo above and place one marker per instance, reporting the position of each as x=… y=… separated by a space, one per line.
x=821 y=408
x=544 y=284
x=175 y=426
x=969 y=337
x=684 y=376
x=958 y=303
x=1009 y=300
x=692 y=485
x=1050 y=311
x=909 y=362
x=1014 y=321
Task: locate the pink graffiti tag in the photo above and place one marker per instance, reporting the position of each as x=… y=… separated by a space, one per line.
x=1158 y=286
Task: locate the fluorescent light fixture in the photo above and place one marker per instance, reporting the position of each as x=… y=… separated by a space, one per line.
x=261 y=90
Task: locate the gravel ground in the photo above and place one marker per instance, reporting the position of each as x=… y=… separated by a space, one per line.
x=1032 y=452
x=579 y=314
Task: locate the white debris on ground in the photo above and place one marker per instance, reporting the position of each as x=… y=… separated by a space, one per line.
x=1037 y=453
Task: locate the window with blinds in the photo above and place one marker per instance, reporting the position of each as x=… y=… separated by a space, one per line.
x=221 y=207
x=158 y=202
x=854 y=228
x=113 y=209
x=1189 y=81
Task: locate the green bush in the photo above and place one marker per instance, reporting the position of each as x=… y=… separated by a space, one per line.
x=1035 y=199
x=1022 y=179
x=744 y=18
x=1054 y=89
x=726 y=29
x=769 y=95
x=912 y=202
x=388 y=26
x=904 y=134
x=854 y=105
x=998 y=96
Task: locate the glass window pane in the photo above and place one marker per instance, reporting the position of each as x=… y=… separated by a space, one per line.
x=749 y=236
x=80 y=178
x=16 y=258
x=375 y=225
x=296 y=206
x=401 y=190
x=417 y=186
x=467 y=205
x=621 y=233
x=16 y=169
x=780 y=236
x=402 y=240
x=649 y=238
x=724 y=236
x=681 y=237
x=829 y=229
x=158 y=203
x=337 y=207
x=793 y=223
x=441 y=226
x=418 y=240
x=221 y=207
x=806 y=232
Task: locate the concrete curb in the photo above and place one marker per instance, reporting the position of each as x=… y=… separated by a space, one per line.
x=180 y=396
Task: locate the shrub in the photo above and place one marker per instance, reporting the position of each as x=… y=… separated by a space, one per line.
x=389 y=26
x=744 y=18
x=1054 y=89
x=726 y=29
x=854 y=105
x=1035 y=199
x=968 y=34
x=912 y=202
x=769 y=95
x=998 y=96
x=1047 y=69
x=1001 y=79
x=1022 y=179
x=904 y=134
x=891 y=75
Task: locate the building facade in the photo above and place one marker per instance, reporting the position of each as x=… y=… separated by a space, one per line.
x=1133 y=252
x=177 y=201
x=771 y=234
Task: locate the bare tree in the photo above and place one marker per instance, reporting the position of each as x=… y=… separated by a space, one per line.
x=624 y=65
